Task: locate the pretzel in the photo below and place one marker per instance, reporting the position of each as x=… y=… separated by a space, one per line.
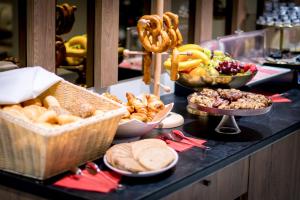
x=60 y=51
x=64 y=18
x=171 y=21
x=151 y=34
x=171 y=32
x=174 y=64
x=175 y=24
x=147 y=69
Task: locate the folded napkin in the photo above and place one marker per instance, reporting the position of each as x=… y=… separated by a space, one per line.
x=26 y=83
x=184 y=144
x=278 y=98
x=103 y=181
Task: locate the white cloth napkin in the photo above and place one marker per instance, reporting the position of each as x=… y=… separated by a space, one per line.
x=26 y=83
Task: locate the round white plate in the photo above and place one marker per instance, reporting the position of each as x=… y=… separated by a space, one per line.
x=144 y=174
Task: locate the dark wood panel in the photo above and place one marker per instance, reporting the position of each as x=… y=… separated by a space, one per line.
x=232 y=181
x=197 y=190
x=106 y=43
x=297 y=174
x=203 y=20
x=41 y=33
x=7 y=193
x=226 y=184
x=275 y=171
x=259 y=173
x=283 y=169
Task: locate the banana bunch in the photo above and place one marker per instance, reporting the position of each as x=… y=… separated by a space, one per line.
x=196 y=56
x=197 y=61
x=76 y=49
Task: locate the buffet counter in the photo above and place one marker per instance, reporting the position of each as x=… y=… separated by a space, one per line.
x=265 y=152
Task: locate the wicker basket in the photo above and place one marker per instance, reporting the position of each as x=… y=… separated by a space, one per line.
x=38 y=152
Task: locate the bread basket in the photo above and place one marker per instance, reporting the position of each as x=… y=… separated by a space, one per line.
x=39 y=152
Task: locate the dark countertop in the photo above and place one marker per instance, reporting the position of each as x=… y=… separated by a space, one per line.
x=194 y=164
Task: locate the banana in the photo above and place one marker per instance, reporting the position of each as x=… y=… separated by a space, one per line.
x=78 y=40
x=76 y=49
x=195 y=54
x=184 y=65
x=188 y=47
x=73 y=61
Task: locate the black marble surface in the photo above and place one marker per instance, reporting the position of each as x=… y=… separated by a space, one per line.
x=194 y=164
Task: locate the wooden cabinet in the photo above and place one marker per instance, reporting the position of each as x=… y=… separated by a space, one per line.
x=226 y=184
x=7 y=193
x=270 y=173
x=275 y=171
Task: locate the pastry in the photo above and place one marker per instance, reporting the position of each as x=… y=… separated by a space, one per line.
x=143 y=109
x=230 y=99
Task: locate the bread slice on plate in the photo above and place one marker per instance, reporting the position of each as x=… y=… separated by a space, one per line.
x=139 y=146
x=155 y=158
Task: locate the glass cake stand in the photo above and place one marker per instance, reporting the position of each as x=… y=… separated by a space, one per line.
x=228 y=123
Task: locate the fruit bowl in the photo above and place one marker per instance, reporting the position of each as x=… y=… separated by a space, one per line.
x=199 y=67
x=223 y=81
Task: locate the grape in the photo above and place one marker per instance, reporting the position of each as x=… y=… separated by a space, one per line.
x=229 y=67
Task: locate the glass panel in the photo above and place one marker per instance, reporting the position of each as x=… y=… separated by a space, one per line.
x=71 y=40
x=9 y=37
x=130 y=12
x=219 y=18
x=182 y=9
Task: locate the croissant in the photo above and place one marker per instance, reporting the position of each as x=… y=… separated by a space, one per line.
x=130 y=108
x=139 y=116
x=151 y=115
x=112 y=97
x=136 y=103
x=154 y=103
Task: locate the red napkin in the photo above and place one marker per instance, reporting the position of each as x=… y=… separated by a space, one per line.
x=278 y=98
x=104 y=181
x=184 y=144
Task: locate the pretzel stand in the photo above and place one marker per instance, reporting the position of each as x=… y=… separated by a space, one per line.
x=157 y=56
x=158 y=33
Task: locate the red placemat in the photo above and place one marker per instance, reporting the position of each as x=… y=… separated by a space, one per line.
x=104 y=181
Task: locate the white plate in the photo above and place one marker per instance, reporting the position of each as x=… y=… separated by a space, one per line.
x=135 y=128
x=144 y=174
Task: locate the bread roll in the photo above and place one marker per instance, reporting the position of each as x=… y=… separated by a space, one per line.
x=35 y=101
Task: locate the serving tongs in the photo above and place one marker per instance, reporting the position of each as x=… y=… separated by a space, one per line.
x=93 y=169
x=178 y=136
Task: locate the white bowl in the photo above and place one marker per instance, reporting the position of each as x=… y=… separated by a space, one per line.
x=135 y=128
x=144 y=174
